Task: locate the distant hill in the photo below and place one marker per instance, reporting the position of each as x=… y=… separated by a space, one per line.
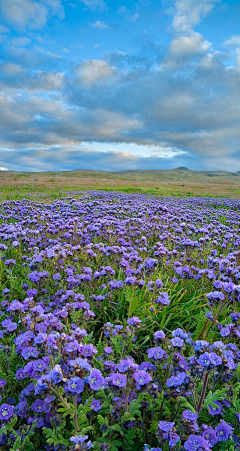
x=179 y=181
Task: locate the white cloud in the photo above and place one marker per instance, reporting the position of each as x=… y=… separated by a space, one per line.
x=99 y=24
x=3 y=29
x=46 y=81
x=232 y=46
x=122 y=10
x=82 y=157
x=112 y=124
x=189 y=45
x=189 y=13
x=2 y=168
x=238 y=58
x=233 y=41
x=21 y=42
x=124 y=99
x=139 y=150
x=134 y=17
x=94 y=5
x=11 y=69
x=30 y=13
x=92 y=71
x=47 y=52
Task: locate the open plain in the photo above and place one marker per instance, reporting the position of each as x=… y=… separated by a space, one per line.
x=174 y=182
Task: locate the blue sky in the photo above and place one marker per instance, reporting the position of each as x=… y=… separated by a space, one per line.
x=113 y=85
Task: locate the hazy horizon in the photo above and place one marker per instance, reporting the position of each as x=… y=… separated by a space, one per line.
x=97 y=85
x=179 y=170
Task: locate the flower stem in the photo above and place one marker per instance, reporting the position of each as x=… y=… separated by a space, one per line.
x=160 y=410
x=194 y=400
x=75 y=413
x=176 y=412
x=203 y=330
x=59 y=396
x=203 y=392
x=152 y=418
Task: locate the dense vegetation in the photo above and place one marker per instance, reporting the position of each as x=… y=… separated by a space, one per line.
x=120 y=324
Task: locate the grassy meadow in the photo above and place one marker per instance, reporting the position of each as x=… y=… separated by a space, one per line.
x=176 y=182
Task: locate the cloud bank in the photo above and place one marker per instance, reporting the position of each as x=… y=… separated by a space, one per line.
x=183 y=96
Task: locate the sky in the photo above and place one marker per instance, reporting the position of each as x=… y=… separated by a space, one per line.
x=114 y=85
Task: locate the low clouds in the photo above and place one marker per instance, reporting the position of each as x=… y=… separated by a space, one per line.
x=188 y=13
x=3 y=29
x=67 y=158
x=183 y=99
x=100 y=25
x=92 y=71
x=15 y=76
x=30 y=13
x=21 y=42
x=232 y=42
x=189 y=45
x=178 y=107
x=94 y=5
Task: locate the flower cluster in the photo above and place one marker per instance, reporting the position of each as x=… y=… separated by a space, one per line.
x=119 y=324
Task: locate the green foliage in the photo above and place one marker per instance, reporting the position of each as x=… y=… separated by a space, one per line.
x=20 y=444
x=238 y=373
x=185 y=404
x=9 y=363
x=134 y=408
x=132 y=300
x=216 y=396
x=55 y=436
x=113 y=444
x=129 y=439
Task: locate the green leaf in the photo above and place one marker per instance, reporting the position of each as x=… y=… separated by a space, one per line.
x=117 y=428
x=216 y=396
x=27 y=445
x=129 y=439
x=54 y=437
x=135 y=405
x=84 y=408
x=102 y=420
x=186 y=404
x=17 y=444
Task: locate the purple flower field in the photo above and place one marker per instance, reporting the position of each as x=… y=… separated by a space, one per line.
x=120 y=324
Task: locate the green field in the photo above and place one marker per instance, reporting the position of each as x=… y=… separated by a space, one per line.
x=175 y=182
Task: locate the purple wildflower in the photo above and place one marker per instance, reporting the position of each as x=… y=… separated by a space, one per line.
x=216 y=409
x=95 y=405
x=142 y=377
x=195 y=443
x=20 y=374
x=75 y=385
x=159 y=335
x=163 y=299
x=119 y=380
x=156 y=353
x=134 y=321
x=177 y=341
x=210 y=436
x=6 y=412
x=223 y=431
x=166 y=426
x=173 y=439
x=79 y=440
x=2 y=383
x=96 y=380
x=189 y=415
